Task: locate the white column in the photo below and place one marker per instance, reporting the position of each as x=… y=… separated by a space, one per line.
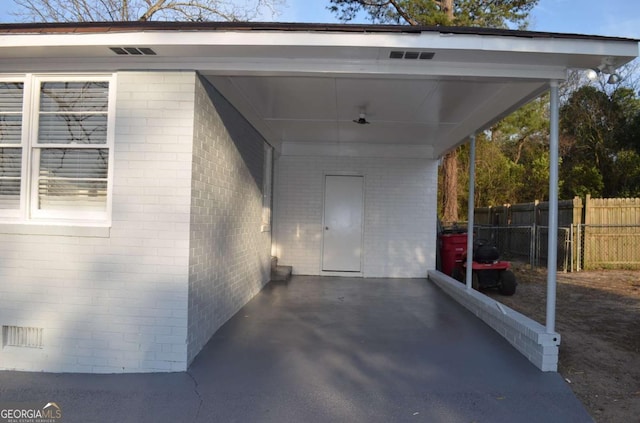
x=552 y=256
x=470 y=214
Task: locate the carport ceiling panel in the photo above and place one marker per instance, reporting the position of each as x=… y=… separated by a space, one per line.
x=305 y=131
x=455 y=101
x=290 y=98
x=387 y=100
x=388 y=133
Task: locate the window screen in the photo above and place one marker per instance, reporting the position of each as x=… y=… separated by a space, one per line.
x=73 y=169
x=11 y=94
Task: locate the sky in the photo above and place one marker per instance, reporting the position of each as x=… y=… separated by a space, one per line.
x=620 y=18
x=594 y=17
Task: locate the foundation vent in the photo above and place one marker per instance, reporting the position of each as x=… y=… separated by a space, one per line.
x=18 y=336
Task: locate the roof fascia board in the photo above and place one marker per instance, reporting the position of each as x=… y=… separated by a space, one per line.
x=291 y=67
x=425 y=40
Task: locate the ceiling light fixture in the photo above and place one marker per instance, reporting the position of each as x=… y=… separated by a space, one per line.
x=362 y=119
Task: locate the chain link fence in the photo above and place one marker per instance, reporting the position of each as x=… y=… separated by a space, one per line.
x=580 y=247
x=609 y=246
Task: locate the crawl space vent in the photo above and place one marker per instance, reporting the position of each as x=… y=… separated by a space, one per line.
x=133 y=51
x=412 y=55
x=18 y=336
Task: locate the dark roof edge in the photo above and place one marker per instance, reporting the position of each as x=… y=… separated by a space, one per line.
x=93 y=27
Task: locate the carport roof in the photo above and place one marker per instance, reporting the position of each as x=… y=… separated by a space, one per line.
x=424 y=89
x=80 y=27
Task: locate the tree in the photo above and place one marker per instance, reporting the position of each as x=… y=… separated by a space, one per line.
x=492 y=14
x=523 y=138
x=498 y=178
x=496 y=13
x=143 y=10
x=599 y=142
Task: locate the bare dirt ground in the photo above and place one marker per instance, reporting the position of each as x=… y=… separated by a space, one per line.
x=598 y=317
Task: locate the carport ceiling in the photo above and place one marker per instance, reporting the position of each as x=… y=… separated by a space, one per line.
x=425 y=89
x=434 y=112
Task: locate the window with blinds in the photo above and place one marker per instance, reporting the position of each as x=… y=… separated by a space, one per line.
x=55 y=147
x=72 y=133
x=11 y=99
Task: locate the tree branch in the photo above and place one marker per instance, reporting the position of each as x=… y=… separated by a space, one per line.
x=403 y=13
x=159 y=5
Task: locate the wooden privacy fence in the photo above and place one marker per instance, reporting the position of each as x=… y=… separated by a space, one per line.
x=602 y=233
x=611 y=233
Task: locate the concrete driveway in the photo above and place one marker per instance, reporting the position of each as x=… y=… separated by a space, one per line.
x=327 y=350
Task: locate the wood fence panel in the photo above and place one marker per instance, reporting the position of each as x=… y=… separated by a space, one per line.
x=569 y=213
x=524 y=214
x=612 y=233
x=482 y=216
x=500 y=215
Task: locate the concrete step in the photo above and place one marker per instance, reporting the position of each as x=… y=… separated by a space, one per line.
x=281 y=273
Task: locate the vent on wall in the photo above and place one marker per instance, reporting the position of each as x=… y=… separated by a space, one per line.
x=133 y=51
x=422 y=55
x=18 y=336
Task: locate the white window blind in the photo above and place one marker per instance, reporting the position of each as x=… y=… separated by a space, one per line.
x=72 y=161
x=56 y=140
x=11 y=99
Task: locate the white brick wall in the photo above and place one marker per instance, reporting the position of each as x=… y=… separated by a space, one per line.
x=400 y=213
x=526 y=335
x=230 y=256
x=118 y=303
x=184 y=253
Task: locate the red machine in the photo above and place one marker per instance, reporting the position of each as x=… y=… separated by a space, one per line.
x=488 y=271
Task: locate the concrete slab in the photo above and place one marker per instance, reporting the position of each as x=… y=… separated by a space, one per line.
x=328 y=349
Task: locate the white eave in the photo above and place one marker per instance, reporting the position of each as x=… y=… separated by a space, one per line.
x=421 y=106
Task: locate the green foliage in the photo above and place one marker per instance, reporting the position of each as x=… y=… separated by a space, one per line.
x=489 y=14
x=626 y=174
x=600 y=141
x=580 y=180
x=524 y=133
x=498 y=178
x=493 y=14
x=536 y=179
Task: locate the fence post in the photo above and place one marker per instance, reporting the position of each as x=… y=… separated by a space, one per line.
x=580 y=249
x=534 y=233
x=532 y=245
x=588 y=204
x=576 y=246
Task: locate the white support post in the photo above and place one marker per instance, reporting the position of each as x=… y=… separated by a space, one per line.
x=470 y=213
x=552 y=252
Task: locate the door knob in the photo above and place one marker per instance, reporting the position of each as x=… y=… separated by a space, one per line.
x=326 y=228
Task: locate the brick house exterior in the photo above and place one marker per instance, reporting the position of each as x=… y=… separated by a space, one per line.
x=170 y=229
x=146 y=294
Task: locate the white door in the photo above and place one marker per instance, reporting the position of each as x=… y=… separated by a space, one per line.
x=343 y=211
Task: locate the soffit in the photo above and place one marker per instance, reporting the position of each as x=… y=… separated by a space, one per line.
x=307 y=86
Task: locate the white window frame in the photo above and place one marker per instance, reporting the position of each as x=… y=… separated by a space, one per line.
x=28 y=212
x=17 y=213
x=267 y=187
